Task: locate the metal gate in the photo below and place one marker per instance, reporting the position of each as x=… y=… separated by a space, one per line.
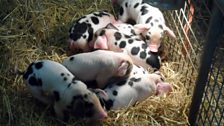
x=199 y=53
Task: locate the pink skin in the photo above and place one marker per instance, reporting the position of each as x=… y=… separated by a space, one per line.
x=102 y=43
x=102 y=115
x=163 y=88
x=155 y=37
x=154 y=46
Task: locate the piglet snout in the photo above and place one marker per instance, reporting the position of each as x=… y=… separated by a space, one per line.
x=154 y=42
x=163 y=88
x=102 y=115
x=153 y=48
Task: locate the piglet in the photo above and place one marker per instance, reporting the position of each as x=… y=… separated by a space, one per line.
x=112 y=39
x=70 y=95
x=99 y=65
x=149 y=20
x=125 y=28
x=82 y=30
x=138 y=87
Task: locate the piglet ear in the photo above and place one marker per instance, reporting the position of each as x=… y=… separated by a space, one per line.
x=111 y=26
x=169 y=32
x=101 y=42
x=100 y=92
x=141 y=28
x=123 y=68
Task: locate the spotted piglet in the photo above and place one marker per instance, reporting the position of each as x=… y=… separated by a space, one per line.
x=149 y=20
x=138 y=87
x=125 y=28
x=112 y=39
x=70 y=95
x=82 y=30
x=99 y=65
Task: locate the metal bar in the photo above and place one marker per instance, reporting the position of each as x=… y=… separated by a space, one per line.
x=215 y=28
x=220 y=4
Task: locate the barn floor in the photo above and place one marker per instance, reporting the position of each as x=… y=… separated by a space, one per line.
x=31 y=30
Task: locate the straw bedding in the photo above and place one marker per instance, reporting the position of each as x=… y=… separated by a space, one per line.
x=31 y=30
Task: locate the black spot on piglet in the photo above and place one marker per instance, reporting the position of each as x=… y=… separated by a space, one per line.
x=108 y=104
x=35 y=82
x=130 y=41
x=136 y=5
x=90 y=31
x=117 y=35
x=144 y=10
x=122 y=44
x=156 y=20
x=56 y=95
x=135 y=50
x=148 y=20
x=153 y=60
x=143 y=55
x=69 y=85
x=39 y=65
x=115 y=93
x=144 y=45
x=121 y=11
x=160 y=26
x=126 y=4
x=122 y=82
x=130 y=83
x=78 y=30
x=29 y=71
x=95 y=20
x=71 y=58
x=135 y=79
